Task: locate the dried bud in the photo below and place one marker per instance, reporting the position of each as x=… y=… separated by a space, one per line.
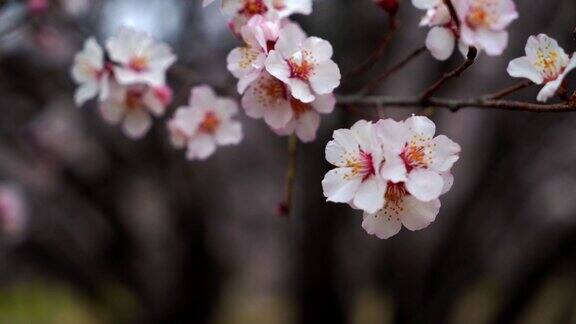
x=390 y=6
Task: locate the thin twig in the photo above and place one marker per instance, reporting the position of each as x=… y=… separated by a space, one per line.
x=430 y=91
x=374 y=84
x=377 y=54
x=452 y=11
x=453 y=104
x=286 y=206
x=507 y=91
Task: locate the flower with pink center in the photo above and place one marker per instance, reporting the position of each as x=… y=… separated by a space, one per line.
x=269 y=98
x=13 y=213
x=247 y=63
x=483 y=23
x=139 y=57
x=90 y=73
x=415 y=157
x=206 y=123
x=133 y=107
x=304 y=64
x=242 y=11
x=401 y=208
x=545 y=63
x=356 y=179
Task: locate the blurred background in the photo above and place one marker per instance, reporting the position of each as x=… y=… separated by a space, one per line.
x=109 y=230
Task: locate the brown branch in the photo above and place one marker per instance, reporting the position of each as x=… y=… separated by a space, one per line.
x=374 y=84
x=452 y=11
x=453 y=104
x=286 y=206
x=430 y=91
x=507 y=91
x=377 y=54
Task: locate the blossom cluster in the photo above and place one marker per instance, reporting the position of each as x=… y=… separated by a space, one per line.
x=395 y=172
x=129 y=79
x=478 y=23
x=284 y=76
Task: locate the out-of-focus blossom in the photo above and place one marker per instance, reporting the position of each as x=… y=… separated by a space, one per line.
x=444 y=34
x=207 y=2
x=140 y=58
x=37 y=6
x=13 y=213
x=91 y=73
x=304 y=64
x=206 y=123
x=356 y=179
x=76 y=7
x=545 y=63
x=484 y=22
x=247 y=63
x=242 y=10
x=133 y=105
x=306 y=117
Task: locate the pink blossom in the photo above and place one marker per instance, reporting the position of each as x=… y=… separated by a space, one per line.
x=206 y=123
x=91 y=73
x=304 y=64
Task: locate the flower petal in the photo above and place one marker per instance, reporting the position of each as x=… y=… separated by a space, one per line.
x=136 y=123
x=523 y=68
x=441 y=43
x=382 y=225
x=339 y=185
x=424 y=185
x=417 y=214
x=370 y=195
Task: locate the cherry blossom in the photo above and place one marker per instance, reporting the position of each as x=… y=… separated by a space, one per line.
x=356 y=179
x=204 y=124
x=140 y=58
x=242 y=10
x=484 y=22
x=91 y=73
x=13 y=212
x=444 y=35
x=545 y=63
x=416 y=169
x=133 y=105
x=246 y=63
x=304 y=64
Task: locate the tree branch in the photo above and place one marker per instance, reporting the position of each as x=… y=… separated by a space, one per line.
x=374 y=84
x=373 y=58
x=428 y=93
x=507 y=91
x=453 y=104
x=285 y=207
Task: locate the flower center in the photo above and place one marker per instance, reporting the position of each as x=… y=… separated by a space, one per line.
x=275 y=89
x=548 y=63
x=299 y=108
x=414 y=156
x=210 y=123
x=138 y=64
x=254 y=7
x=362 y=166
x=483 y=13
x=133 y=99
x=395 y=192
x=300 y=67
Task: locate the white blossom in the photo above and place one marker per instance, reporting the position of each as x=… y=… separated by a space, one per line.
x=545 y=63
x=206 y=123
x=139 y=58
x=304 y=64
x=132 y=106
x=90 y=73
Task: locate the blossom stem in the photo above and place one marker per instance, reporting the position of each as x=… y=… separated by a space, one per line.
x=394 y=24
x=430 y=91
x=509 y=90
x=454 y=104
x=286 y=206
x=374 y=84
